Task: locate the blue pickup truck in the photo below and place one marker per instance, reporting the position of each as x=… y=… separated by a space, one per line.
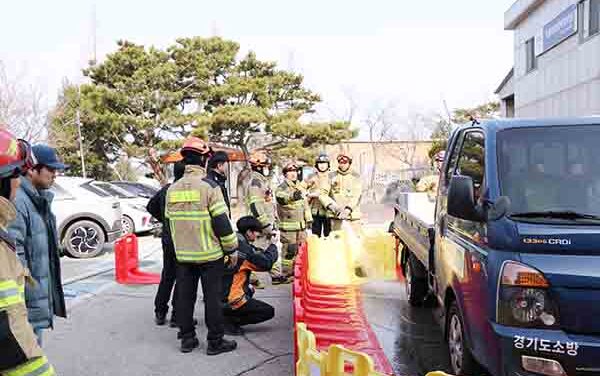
x=509 y=252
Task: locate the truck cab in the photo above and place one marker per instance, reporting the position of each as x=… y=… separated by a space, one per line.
x=511 y=256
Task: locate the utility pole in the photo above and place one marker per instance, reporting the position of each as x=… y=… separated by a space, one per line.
x=78 y=121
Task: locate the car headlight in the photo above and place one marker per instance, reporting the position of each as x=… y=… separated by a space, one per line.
x=524 y=298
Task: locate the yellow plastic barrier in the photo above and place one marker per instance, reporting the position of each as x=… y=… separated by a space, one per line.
x=312 y=362
x=378 y=255
x=329 y=261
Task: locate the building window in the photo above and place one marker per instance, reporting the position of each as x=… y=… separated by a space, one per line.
x=594 y=17
x=530 y=58
x=590 y=18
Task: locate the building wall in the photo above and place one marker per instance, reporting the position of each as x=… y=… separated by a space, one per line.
x=401 y=160
x=567 y=80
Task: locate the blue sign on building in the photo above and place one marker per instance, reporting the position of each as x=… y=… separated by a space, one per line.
x=560 y=28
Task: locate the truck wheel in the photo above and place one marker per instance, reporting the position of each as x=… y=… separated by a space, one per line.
x=461 y=359
x=84 y=239
x=415 y=282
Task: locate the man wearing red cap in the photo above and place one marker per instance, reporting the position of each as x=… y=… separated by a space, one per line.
x=344 y=195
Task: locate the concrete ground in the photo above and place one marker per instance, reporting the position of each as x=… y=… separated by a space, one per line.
x=110 y=331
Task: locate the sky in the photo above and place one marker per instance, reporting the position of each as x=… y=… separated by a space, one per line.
x=412 y=55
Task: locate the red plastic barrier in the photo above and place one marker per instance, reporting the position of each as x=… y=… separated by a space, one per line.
x=334 y=314
x=127 y=270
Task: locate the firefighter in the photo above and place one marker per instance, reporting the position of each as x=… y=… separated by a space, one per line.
x=321 y=225
x=344 y=195
x=241 y=308
x=293 y=213
x=259 y=204
x=429 y=183
x=202 y=235
x=20 y=353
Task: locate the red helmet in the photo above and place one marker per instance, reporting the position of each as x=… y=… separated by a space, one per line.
x=15 y=155
x=196 y=145
x=290 y=166
x=259 y=158
x=343 y=157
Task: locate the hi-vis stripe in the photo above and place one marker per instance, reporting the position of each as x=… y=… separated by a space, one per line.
x=184 y=196
x=291 y=226
x=229 y=240
x=35 y=367
x=218 y=209
x=10 y=293
x=189 y=215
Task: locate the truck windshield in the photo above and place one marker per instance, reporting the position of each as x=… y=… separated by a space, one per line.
x=551 y=173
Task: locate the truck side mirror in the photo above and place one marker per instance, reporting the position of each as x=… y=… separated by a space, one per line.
x=461 y=199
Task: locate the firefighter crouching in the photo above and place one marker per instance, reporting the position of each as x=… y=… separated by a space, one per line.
x=202 y=235
x=321 y=225
x=293 y=213
x=20 y=354
x=240 y=306
x=344 y=195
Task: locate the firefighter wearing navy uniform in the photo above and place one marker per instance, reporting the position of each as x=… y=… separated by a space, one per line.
x=20 y=354
x=240 y=306
x=202 y=235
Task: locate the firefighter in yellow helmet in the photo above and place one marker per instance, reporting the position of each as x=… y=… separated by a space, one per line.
x=20 y=352
x=344 y=195
x=204 y=240
x=293 y=213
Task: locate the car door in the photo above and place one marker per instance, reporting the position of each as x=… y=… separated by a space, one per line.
x=464 y=252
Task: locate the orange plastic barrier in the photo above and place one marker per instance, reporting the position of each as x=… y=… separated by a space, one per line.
x=127 y=270
x=334 y=314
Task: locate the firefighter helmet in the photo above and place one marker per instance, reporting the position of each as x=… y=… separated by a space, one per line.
x=290 y=166
x=440 y=156
x=259 y=159
x=15 y=155
x=344 y=158
x=195 y=145
x=322 y=158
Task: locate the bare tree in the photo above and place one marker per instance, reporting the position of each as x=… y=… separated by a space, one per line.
x=22 y=108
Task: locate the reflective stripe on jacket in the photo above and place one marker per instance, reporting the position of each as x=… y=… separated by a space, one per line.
x=259 y=199
x=292 y=213
x=346 y=191
x=20 y=353
x=198 y=217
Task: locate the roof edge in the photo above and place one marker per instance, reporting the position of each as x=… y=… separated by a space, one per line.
x=505 y=81
x=519 y=11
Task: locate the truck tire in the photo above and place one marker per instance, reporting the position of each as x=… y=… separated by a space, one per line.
x=84 y=239
x=415 y=281
x=461 y=359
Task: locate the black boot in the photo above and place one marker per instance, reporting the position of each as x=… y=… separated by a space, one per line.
x=220 y=346
x=233 y=329
x=160 y=319
x=189 y=344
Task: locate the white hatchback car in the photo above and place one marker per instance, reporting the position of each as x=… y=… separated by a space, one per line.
x=136 y=218
x=85 y=221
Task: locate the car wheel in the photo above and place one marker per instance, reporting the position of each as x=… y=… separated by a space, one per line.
x=414 y=282
x=461 y=359
x=127 y=225
x=84 y=239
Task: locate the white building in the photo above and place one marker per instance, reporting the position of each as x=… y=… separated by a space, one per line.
x=557 y=59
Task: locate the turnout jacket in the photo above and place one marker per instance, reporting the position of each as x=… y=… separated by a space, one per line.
x=345 y=191
x=259 y=199
x=293 y=214
x=20 y=353
x=198 y=218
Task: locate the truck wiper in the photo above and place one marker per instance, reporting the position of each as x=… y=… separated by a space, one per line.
x=567 y=214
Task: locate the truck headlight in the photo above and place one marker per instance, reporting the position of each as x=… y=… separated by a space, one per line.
x=524 y=298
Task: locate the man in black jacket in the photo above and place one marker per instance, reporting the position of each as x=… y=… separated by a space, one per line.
x=156 y=207
x=217 y=172
x=240 y=306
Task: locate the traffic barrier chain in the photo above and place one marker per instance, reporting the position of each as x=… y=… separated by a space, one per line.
x=332 y=332
x=127 y=270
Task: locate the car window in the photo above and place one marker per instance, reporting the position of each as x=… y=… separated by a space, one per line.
x=59 y=192
x=471 y=160
x=113 y=190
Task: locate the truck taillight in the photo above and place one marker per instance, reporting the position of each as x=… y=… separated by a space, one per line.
x=524 y=298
